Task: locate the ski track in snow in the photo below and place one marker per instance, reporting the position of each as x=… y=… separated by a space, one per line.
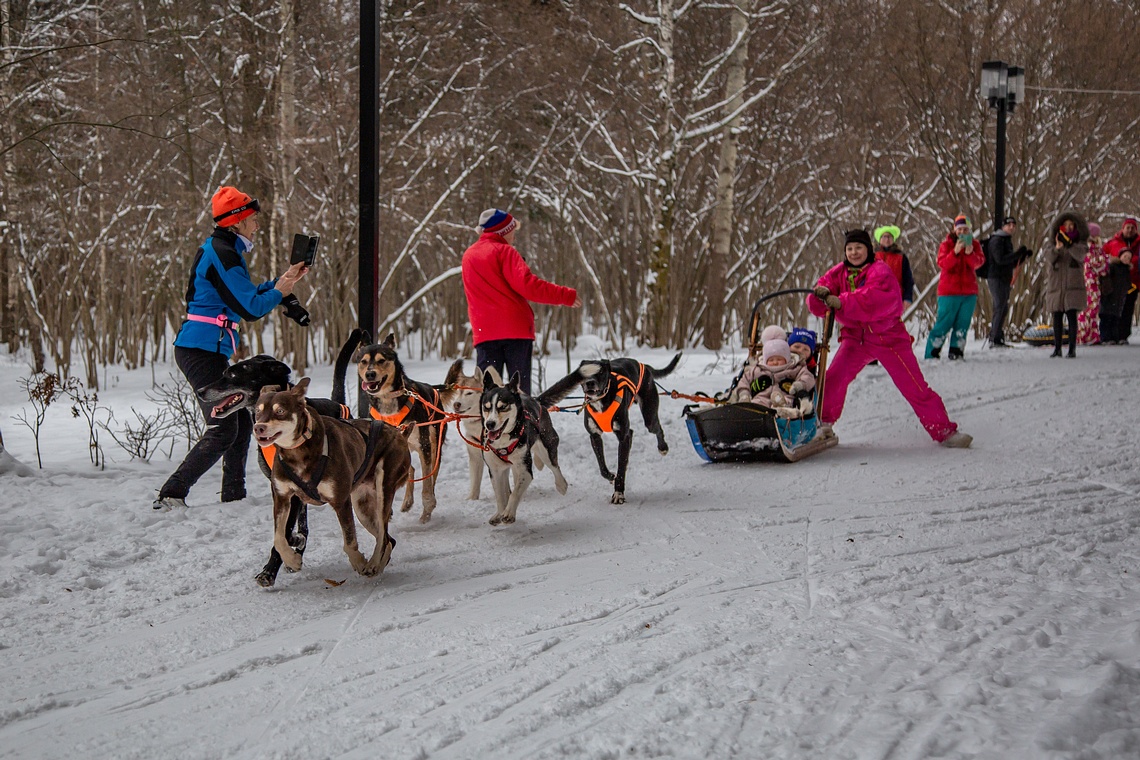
x=884 y=600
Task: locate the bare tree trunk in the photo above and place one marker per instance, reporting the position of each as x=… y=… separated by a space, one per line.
x=722 y=223
x=661 y=258
x=291 y=337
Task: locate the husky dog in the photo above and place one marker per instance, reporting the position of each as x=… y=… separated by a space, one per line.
x=397 y=399
x=461 y=395
x=239 y=387
x=354 y=466
x=610 y=386
x=517 y=432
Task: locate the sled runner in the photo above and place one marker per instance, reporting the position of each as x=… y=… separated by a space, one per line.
x=748 y=432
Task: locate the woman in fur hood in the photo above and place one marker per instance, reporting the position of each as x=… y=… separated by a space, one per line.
x=1065 y=293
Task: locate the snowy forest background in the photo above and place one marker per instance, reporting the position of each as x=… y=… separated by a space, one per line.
x=672 y=159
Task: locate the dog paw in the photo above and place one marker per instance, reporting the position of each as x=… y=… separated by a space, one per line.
x=406 y=507
x=299 y=542
x=617 y=498
x=508 y=520
x=663 y=450
x=495 y=520
x=425 y=518
x=265 y=580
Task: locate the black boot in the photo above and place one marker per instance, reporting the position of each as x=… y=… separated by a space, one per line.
x=1056 y=352
x=936 y=353
x=1072 y=352
x=956 y=353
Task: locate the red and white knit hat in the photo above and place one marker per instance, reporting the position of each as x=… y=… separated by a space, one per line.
x=496 y=221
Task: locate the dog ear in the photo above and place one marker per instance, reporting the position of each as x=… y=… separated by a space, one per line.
x=514 y=384
x=390 y=341
x=493 y=374
x=301 y=387
x=268 y=389
x=454 y=372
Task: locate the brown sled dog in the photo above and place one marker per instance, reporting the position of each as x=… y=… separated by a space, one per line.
x=397 y=399
x=353 y=466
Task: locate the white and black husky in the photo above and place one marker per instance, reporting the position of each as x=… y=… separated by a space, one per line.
x=517 y=436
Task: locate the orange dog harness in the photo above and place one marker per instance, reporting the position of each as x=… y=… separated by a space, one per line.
x=605 y=418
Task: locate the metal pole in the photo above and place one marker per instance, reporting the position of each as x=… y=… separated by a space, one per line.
x=369 y=237
x=999 y=173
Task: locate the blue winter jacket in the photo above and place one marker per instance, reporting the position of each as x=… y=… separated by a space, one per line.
x=220 y=286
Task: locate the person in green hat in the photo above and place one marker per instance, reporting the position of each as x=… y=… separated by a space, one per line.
x=890 y=254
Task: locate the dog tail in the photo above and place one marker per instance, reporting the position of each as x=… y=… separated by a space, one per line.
x=672 y=366
x=560 y=390
x=355 y=338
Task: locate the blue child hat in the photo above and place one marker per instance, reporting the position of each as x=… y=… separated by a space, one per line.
x=802 y=335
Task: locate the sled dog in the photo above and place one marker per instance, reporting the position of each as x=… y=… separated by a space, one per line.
x=517 y=433
x=353 y=466
x=610 y=386
x=397 y=399
x=239 y=388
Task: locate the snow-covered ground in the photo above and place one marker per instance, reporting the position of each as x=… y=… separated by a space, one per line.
x=885 y=599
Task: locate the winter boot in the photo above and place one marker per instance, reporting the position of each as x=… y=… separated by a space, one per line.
x=958 y=440
x=167 y=503
x=956 y=353
x=935 y=353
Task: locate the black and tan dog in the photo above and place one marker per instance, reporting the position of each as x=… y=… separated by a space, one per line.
x=397 y=399
x=354 y=466
x=610 y=386
x=517 y=436
x=239 y=388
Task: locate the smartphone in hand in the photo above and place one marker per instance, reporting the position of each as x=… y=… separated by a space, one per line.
x=304 y=249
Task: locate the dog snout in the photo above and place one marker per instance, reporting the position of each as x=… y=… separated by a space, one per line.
x=490 y=424
x=260 y=429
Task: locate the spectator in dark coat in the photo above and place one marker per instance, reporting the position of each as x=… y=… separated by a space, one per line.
x=1003 y=261
x=1119 y=291
x=1065 y=292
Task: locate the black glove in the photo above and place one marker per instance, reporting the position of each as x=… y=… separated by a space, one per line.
x=1024 y=253
x=821 y=292
x=760 y=384
x=294 y=310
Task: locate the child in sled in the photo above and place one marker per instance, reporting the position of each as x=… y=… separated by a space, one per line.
x=778 y=381
x=801 y=341
x=868 y=305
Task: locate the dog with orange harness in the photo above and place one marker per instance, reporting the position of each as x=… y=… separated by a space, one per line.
x=610 y=386
x=395 y=398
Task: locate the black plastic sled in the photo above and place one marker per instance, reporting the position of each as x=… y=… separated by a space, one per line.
x=750 y=432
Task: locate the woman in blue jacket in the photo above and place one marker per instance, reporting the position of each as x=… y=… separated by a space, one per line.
x=219 y=296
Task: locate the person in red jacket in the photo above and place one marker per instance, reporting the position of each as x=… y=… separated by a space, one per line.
x=958 y=256
x=499 y=286
x=1123 y=250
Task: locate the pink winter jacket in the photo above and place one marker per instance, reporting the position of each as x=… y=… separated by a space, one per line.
x=871 y=310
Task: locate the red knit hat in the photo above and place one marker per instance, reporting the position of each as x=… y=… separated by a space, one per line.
x=231 y=205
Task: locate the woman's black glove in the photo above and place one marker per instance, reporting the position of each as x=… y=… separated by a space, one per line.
x=294 y=310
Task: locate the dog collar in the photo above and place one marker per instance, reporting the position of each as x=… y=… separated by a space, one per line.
x=307 y=434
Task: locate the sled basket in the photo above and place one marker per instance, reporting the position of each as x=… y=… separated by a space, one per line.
x=750 y=432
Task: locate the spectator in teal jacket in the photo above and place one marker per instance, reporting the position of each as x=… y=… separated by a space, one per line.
x=219 y=296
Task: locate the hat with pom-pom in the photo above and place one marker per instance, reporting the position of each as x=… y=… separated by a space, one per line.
x=772 y=332
x=496 y=221
x=802 y=335
x=776 y=347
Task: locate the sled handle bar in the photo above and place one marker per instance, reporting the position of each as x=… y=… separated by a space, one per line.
x=755 y=326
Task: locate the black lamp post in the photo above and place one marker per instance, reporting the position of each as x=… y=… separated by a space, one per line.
x=368 y=263
x=1003 y=87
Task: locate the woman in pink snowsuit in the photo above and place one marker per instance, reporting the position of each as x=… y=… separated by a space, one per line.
x=868 y=307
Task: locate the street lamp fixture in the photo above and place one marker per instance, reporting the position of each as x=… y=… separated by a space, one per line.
x=1003 y=87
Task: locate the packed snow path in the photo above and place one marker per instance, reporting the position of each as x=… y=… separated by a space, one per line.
x=885 y=599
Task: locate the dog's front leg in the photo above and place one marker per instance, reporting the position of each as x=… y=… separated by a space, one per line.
x=281 y=508
x=600 y=454
x=501 y=483
x=523 y=476
x=344 y=514
x=474 y=471
x=429 y=443
x=625 y=442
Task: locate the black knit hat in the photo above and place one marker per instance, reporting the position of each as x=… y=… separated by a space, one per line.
x=859 y=236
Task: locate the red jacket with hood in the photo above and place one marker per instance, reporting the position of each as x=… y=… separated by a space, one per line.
x=958 y=278
x=498 y=285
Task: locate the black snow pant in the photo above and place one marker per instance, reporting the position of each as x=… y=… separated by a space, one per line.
x=513 y=352
x=999 y=289
x=1125 y=324
x=226 y=439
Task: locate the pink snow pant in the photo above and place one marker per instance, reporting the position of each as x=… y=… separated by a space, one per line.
x=857 y=349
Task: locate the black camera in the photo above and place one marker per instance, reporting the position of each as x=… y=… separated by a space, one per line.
x=294 y=310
